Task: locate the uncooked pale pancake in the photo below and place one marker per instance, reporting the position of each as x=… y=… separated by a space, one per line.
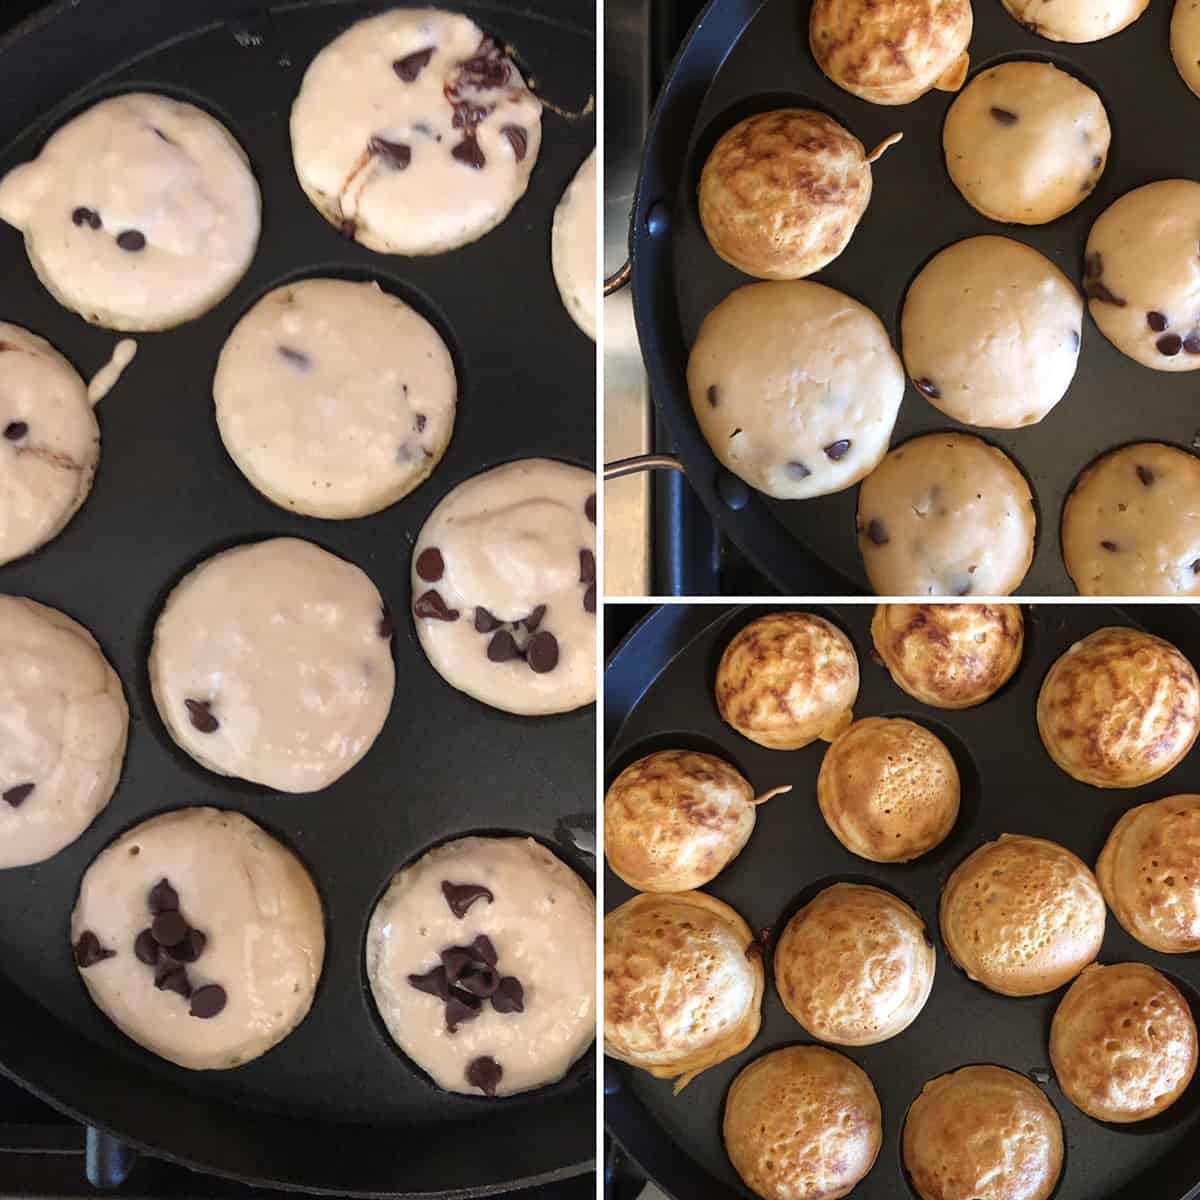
x=140 y=213
x=273 y=662
x=200 y=937
x=481 y=958
x=1075 y=20
x=335 y=399
x=65 y=721
x=414 y=132
x=504 y=587
x=573 y=247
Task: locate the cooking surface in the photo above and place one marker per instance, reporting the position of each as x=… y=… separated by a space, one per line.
x=659 y=696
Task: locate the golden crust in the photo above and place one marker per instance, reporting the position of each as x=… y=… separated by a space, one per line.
x=683 y=984
x=892 y=53
x=802 y=1123
x=1119 y=709
x=888 y=789
x=782 y=192
x=1123 y=1043
x=949 y=655
x=788 y=679
x=1022 y=915
x=854 y=966
x=1149 y=872
x=983 y=1133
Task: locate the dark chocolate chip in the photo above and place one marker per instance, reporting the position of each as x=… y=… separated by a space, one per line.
x=456 y=960
x=518 y=140
x=430 y=604
x=485 y=622
x=163 y=898
x=468 y=151
x=1196 y=566
x=14 y=431
x=479 y=980
x=145 y=948
x=534 y=619
x=877 y=532
x=132 y=240
x=488 y=70
x=207 y=1001
x=1093 y=266
x=1145 y=475
x=200 y=712
x=169 y=928
x=502 y=647
x=433 y=983
x=484 y=950
x=460 y=896
x=411 y=65
x=837 y=450
x=930 y=388
x=1096 y=290
x=509 y=995
x=484 y=1073
x=1111 y=547
x=396 y=154
x=191 y=947
x=796 y=470
x=589 y=599
x=171 y=977
x=86 y=216
x=714 y=397
x=589 y=508
x=298 y=359
x=1004 y=116
x=1156 y=321
x=348 y=227
x=16 y=796
x=1191 y=343
x=88 y=951
x=542 y=653
x=430 y=564
x=587 y=566
x=386 y=626
x=461 y=1007
x=1169 y=345
x=419 y=422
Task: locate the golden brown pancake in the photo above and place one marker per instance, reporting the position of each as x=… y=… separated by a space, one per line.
x=1119 y=709
x=1123 y=1043
x=949 y=655
x=1149 y=872
x=683 y=984
x=854 y=966
x=983 y=1133
x=674 y=820
x=802 y=1123
x=788 y=679
x=888 y=789
x=892 y=53
x=1022 y=915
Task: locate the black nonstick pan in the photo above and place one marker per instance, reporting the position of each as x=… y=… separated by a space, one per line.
x=334 y=1107
x=744 y=56
x=658 y=695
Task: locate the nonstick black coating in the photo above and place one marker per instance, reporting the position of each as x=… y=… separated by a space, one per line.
x=659 y=695
x=745 y=56
x=335 y=1106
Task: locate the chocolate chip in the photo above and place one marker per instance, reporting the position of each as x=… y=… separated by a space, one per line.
x=169 y=928
x=467 y=151
x=479 y=980
x=207 y=1001
x=411 y=65
x=419 y=422
x=502 y=647
x=1145 y=475
x=86 y=216
x=171 y=977
x=484 y=1073
x=1191 y=343
x=796 y=470
x=517 y=139
x=1156 y=321
x=145 y=948
x=191 y=947
x=430 y=564
x=589 y=599
x=432 y=983
x=1096 y=290
x=542 y=653
x=714 y=397
x=837 y=450
x=88 y=951
x=461 y=1007
x=509 y=995
x=298 y=359
x=1093 y=266
x=488 y=70
x=484 y=621
x=930 y=388
x=200 y=712
x=587 y=566
x=162 y=898
x=1003 y=116
x=484 y=950
x=456 y=960
x=132 y=240
x=1196 y=566
x=386 y=626
x=16 y=796
x=14 y=431
x=1169 y=344
x=396 y=154
x=348 y=227
x=460 y=896
x=534 y=619
x=877 y=532
x=430 y=604
x=1111 y=547
x=589 y=508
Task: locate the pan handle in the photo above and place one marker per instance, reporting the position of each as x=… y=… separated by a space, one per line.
x=108 y=1161
x=641 y=462
x=618 y=279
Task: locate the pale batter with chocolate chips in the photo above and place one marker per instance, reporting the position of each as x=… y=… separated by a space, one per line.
x=140 y=213
x=573 y=247
x=272 y=662
x=414 y=132
x=504 y=587
x=1141 y=274
x=64 y=722
x=335 y=399
x=200 y=937
x=481 y=961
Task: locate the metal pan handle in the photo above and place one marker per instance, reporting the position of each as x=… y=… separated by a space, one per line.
x=618 y=279
x=641 y=462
